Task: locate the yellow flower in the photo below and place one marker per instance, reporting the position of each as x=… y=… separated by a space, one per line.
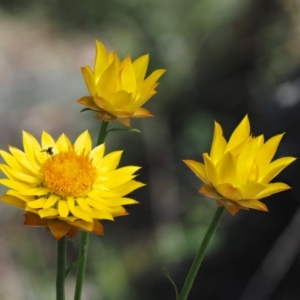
x=119 y=89
x=238 y=173
x=67 y=187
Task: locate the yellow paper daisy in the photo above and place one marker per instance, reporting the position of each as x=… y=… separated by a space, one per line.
x=238 y=173
x=67 y=187
x=119 y=89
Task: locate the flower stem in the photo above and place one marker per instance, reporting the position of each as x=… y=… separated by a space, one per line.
x=102 y=133
x=200 y=255
x=81 y=269
x=85 y=235
x=61 y=265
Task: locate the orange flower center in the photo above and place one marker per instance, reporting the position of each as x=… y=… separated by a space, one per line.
x=69 y=174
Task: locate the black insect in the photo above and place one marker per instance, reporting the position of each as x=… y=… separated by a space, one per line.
x=49 y=150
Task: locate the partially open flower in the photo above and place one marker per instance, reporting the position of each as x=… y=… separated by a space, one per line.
x=119 y=89
x=238 y=173
x=67 y=187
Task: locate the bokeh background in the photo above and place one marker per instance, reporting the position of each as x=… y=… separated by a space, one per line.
x=223 y=59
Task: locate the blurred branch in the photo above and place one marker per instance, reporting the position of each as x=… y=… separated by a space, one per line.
x=276 y=263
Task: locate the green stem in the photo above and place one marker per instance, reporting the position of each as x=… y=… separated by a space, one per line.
x=61 y=265
x=81 y=269
x=85 y=235
x=102 y=133
x=200 y=255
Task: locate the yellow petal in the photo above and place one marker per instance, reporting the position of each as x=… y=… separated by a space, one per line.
x=275 y=168
x=210 y=169
x=110 y=162
x=267 y=151
x=48 y=141
x=22 y=159
x=12 y=200
x=128 y=187
x=250 y=190
x=124 y=121
x=198 y=168
x=209 y=191
x=226 y=168
x=48 y=213
x=240 y=134
x=89 y=79
x=150 y=82
x=254 y=204
x=142 y=113
x=128 y=80
x=140 y=67
x=50 y=201
x=107 y=82
x=63 y=208
x=83 y=204
x=89 y=102
x=218 y=145
x=119 y=202
x=77 y=211
x=101 y=61
x=273 y=188
x=229 y=192
x=83 y=144
x=37 y=203
x=63 y=143
x=31 y=146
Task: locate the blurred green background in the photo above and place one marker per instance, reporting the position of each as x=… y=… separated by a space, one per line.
x=223 y=59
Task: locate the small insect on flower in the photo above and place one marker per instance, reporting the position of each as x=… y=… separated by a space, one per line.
x=49 y=150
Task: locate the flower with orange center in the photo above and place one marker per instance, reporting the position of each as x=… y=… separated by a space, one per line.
x=238 y=173
x=66 y=187
x=119 y=89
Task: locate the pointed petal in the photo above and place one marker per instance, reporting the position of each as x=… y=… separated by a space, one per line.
x=240 y=134
x=198 y=168
x=63 y=209
x=226 y=168
x=140 y=67
x=12 y=200
x=142 y=113
x=124 y=121
x=98 y=228
x=218 y=144
x=275 y=168
x=83 y=143
x=101 y=60
x=229 y=192
x=89 y=79
x=268 y=151
x=58 y=228
x=63 y=143
x=209 y=191
x=89 y=102
x=272 y=189
x=106 y=85
x=211 y=172
x=254 y=204
x=250 y=190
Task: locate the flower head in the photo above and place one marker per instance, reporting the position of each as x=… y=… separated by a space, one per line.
x=238 y=173
x=119 y=89
x=67 y=187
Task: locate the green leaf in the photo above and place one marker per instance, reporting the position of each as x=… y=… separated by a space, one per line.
x=125 y=129
x=165 y=270
x=86 y=109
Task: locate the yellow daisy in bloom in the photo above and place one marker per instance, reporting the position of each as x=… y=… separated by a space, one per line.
x=119 y=89
x=67 y=187
x=238 y=173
